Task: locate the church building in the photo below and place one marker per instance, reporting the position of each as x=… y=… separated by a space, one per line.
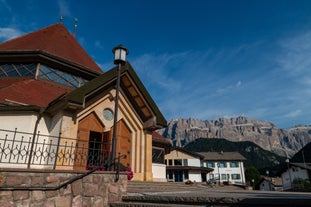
x=57 y=108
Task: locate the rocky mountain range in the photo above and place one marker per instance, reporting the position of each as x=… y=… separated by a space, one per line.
x=265 y=134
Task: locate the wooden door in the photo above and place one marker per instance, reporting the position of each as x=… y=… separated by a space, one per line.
x=123 y=143
x=88 y=126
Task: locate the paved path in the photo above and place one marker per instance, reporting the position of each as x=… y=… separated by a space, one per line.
x=218 y=196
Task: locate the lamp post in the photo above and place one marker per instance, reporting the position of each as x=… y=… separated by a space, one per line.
x=218 y=166
x=253 y=183
x=290 y=177
x=120 y=53
x=269 y=181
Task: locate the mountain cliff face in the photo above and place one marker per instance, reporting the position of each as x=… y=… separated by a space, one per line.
x=262 y=133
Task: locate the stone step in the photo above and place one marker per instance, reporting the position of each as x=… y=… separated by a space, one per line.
x=144 y=204
x=162 y=201
x=156 y=194
x=159 y=186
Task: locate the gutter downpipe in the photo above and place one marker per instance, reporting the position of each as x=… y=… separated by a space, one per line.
x=34 y=135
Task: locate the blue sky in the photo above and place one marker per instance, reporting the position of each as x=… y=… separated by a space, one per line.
x=201 y=58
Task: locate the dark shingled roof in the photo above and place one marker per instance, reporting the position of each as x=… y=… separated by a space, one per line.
x=156 y=137
x=179 y=167
x=222 y=156
x=194 y=154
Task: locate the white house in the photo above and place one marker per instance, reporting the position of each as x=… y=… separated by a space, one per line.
x=182 y=165
x=160 y=147
x=295 y=171
x=271 y=184
x=228 y=167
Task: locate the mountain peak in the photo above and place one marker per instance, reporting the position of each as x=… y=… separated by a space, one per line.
x=240 y=128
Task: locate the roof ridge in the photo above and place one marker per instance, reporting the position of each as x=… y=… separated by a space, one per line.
x=55 y=40
x=25 y=34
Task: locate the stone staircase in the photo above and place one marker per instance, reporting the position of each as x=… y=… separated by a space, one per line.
x=143 y=187
x=153 y=194
x=160 y=194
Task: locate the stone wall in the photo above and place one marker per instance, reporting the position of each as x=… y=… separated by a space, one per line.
x=95 y=190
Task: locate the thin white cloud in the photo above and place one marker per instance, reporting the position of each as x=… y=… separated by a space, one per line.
x=98 y=44
x=295 y=58
x=186 y=84
x=293 y=114
x=7 y=33
x=154 y=69
x=238 y=84
x=5 y=5
x=64 y=8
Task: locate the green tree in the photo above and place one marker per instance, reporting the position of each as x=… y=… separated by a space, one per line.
x=252 y=176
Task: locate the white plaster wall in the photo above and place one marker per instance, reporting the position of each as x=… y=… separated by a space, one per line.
x=195 y=176
x=286 y=181
x=299 y=173
x=289 y=176
x=159 y=172
x=194 y=162
x=265 y=186
x=23 y=122
x=229 y=170
x=54 y=124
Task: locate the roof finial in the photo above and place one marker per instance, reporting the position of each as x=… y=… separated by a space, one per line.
x=75 y=27
x=61 y=18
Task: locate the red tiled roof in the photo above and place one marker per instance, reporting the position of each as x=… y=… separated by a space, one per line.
x=30 y=91
x=157 y=137
x=55 y=40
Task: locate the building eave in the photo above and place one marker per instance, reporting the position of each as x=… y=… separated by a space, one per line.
x=179 y=167
x=7 y=108
x=39 y=56
x=80 y=96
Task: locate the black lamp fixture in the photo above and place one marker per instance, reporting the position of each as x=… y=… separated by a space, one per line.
x=120 y=53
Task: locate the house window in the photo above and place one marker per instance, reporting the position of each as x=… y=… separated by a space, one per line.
x=216 y=176
x=234 y=164
x=178 y=162
x=235 y=176
x=222 y=164
x=185 y=162
x=58 y=76
x=295 y=169
x=11 y=70
x=211 y=164
x=223 y=176
x=170 y=162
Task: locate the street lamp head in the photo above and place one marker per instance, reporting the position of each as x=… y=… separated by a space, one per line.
x=287 y=160
x=120 y=53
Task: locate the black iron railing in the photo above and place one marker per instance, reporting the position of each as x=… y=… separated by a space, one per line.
x=25 y=150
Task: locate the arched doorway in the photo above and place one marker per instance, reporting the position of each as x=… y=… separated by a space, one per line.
x=93 y=143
